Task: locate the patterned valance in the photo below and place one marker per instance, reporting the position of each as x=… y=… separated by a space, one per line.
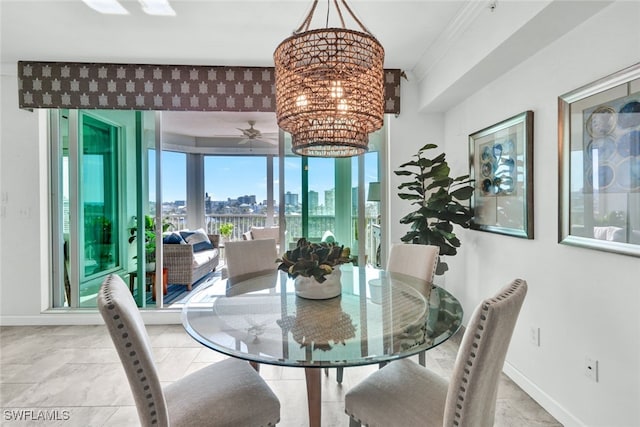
x=78 y=85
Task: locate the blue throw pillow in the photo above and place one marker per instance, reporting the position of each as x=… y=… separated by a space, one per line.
x=198 y=239
x=173 y=239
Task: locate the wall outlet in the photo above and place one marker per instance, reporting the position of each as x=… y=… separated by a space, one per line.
x=534 y=335
x=591 y=368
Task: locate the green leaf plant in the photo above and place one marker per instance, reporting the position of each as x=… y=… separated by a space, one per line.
x=149 y=235
x=313 y=259
x=226 y=229
x=438 y=199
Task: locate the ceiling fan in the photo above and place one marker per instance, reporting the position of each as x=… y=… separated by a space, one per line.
x=252 y=134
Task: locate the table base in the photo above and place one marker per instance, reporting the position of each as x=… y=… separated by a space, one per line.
x=314 y=396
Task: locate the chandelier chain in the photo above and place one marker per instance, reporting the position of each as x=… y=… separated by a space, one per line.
x=339 y=14
x=353 y=15
x=306 y=24
x=307 y=21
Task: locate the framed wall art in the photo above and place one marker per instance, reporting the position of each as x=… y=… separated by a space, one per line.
x=501 y=163
x=599 y=146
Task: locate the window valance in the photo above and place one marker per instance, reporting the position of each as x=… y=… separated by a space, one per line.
x=80 y=85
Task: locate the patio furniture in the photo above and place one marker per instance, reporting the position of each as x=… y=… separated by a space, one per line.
x=186 y=263
x=260 y=233
x=150 y=279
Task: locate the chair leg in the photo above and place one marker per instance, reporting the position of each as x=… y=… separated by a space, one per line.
x=422 y=358
x=353 y=422
x=339 y=374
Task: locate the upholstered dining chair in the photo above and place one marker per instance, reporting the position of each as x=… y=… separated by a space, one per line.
x=249 y=256
x=228 y=393
x=406 y=394
x=416 y=261
x=413 y=260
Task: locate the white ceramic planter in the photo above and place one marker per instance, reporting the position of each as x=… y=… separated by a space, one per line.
x=308 y=287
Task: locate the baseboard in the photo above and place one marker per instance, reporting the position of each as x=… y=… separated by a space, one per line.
x=547 y=402
x=87 y=317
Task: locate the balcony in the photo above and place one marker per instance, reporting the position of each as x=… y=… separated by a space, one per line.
x=318 y=224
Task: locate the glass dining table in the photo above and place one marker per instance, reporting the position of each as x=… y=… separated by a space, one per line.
x=379 y=317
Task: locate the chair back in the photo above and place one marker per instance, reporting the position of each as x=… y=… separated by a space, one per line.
x=250 y=256
x=129 y=335
x=413 y=260
x=259 y=233
x=472 y=392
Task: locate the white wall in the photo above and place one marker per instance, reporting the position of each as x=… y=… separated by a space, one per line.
x=408 y=132
x=585 y=302
x=22 y=231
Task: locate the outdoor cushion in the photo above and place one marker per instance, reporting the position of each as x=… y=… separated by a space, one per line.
x=260 y=233
x=198 y=239
x=203 y=257
x=173 y=238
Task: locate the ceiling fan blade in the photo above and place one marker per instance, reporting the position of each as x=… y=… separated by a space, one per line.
x=268 y=141
x=244 y=141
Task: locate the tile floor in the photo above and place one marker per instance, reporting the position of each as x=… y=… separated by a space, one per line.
x=73 y=373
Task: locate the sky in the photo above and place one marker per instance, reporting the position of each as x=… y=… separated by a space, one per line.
x=234 y=176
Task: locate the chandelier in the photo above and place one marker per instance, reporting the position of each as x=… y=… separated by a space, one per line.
x=329 y=87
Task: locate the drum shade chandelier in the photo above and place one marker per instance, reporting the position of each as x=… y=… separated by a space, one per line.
x=330 y=87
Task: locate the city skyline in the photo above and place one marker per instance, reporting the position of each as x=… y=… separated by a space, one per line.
x=230 y=177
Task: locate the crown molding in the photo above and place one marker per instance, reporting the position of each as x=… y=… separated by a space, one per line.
x=449 y=36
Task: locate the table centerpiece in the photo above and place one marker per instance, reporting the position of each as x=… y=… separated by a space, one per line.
x=315 y=267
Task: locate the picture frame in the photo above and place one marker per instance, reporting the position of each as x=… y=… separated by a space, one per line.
x=599 y=168
x=501 y=165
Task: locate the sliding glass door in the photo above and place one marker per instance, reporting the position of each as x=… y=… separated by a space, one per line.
x=100 y=186
x=98 y=216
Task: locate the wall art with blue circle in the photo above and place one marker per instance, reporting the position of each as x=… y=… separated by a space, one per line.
x=612 y=146
x=498 y=167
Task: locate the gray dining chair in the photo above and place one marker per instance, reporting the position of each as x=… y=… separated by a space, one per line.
x=228 y=393
x=406 y=394
x=244 y=257
x=417 y=261
x=413 y=260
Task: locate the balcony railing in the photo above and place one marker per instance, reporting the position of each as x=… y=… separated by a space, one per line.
x=318 y=225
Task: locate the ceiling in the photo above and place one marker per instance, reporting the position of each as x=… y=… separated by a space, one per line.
x=208 y=32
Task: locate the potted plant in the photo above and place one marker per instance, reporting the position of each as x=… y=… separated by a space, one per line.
x=315 y=264
x=226 y=229
x=438 y=199
x=149 y=238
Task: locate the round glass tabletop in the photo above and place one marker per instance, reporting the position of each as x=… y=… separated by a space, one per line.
x=378 y=317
